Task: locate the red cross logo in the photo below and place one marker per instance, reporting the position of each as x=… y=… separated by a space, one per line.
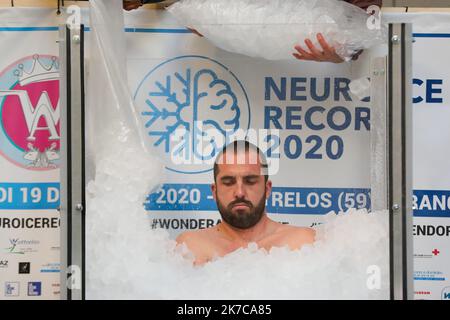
x=435 y=252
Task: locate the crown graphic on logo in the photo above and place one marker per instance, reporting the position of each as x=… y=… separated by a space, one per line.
x=38 y=71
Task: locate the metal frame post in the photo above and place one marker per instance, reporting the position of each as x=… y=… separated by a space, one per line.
x=72 y=207
x=399 y=133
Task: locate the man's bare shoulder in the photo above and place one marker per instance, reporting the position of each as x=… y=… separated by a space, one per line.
x=198 y=242
x=296 y=237
x=193 y=236
x=300 y=231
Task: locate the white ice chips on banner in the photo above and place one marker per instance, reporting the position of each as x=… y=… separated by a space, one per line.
x=270 y=28
x=126 y=258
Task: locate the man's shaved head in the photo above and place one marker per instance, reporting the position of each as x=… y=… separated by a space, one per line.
x=252 y=152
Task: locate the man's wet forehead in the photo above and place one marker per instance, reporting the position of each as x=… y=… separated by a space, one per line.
x=239 y=158
x=240 y=164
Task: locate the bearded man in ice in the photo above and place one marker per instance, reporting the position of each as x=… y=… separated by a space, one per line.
x=240 y=189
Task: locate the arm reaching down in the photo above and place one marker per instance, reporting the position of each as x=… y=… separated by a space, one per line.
x=327 y=53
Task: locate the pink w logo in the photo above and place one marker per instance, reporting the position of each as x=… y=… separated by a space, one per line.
x=30 y=112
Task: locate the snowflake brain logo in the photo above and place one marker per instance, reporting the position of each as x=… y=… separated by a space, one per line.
x=195 y=100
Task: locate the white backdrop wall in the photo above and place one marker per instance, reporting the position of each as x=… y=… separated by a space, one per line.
x=323 y=167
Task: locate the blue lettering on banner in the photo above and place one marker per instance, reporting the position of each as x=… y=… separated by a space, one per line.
x=316 y=118
x=429 y=275
x=296 y=89
x=433 y=90
x=431 y=203
x=294 y=200
x=431 y=279
x=29 y=196
x=295 y=116
x=283 y=200
x=445 y=294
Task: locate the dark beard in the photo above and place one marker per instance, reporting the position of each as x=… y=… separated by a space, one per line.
x=242 y=220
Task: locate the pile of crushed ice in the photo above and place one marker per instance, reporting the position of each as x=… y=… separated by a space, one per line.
x=271 y=28
x=126 y=259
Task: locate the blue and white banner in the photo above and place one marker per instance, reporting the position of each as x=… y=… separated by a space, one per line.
x=431 y=177
x=29 y=154
x=313 y=130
